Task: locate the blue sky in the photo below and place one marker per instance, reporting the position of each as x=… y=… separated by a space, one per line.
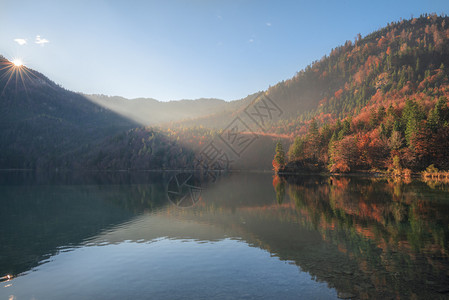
x=186 y=49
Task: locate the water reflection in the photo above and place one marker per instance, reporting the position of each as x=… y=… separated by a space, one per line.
x=395 y=233
x=367 y=238
x=184 y=189
x=42 y=216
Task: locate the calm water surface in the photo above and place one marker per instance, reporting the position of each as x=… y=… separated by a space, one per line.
x=246 y=236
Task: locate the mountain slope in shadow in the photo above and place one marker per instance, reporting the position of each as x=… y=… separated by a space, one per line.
x=41 y=122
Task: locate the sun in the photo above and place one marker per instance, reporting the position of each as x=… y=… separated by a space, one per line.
x=15 y=71
x=17 y=62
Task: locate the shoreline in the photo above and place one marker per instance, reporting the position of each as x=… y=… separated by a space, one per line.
x=425 y=176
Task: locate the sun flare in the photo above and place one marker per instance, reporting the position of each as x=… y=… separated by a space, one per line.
x=17 y=62
x=14 y=71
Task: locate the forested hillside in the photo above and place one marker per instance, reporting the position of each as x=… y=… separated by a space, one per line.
x=378 y=103
x=404 y=59
x=41 y=122
x=388 y=65
x=138 y=149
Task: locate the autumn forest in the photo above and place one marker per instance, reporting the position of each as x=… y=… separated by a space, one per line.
x=384 y=103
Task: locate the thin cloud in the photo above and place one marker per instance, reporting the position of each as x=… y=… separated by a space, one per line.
x=21 y=42
x=41 y=41
x=250 y=41
x=268 y=24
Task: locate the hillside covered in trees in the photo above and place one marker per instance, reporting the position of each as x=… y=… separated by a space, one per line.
x=44 y=126
x=377 y=103
x=41 y=123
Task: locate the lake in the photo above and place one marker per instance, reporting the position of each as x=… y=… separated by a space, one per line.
x=174 y=235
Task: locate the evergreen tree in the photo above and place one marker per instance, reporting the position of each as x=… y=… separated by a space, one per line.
x=313 y=140
x=439 y=115
x=331 y=150
x=296 y=150
x=279 y=157
x=411 y=118
x=313 y=128
x=346 y=128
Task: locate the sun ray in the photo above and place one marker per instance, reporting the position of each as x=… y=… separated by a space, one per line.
x=13 y=69
x=21 y=74
x=17 y=71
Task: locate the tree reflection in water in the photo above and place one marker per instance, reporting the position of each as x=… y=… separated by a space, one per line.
x=395 y=232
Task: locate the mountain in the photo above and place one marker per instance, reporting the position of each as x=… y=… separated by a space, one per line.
x=41 y=121
x=379 y=103
x=147 y=111
x=398 y=60
x=383 y=96
x=44 y=126
x=401 y=59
